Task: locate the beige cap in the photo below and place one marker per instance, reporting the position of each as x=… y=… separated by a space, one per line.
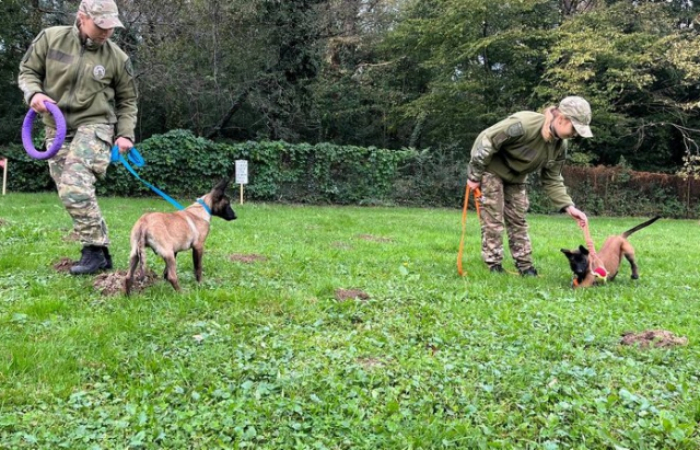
x=578 y=111
x=103 y=12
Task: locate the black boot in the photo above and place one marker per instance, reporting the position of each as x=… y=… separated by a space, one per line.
x=92 y=260
x=108 y=259
x=531 y=272
x=496 y=268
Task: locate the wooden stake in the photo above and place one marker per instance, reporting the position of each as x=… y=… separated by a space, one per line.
x=241 y=193
x=4 y=176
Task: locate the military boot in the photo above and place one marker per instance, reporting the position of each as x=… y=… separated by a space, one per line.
x=92 y=260
x=108 y=259
x=530 y=272
x=496 y=268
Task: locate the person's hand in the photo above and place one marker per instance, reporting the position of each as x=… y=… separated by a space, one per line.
x=577 y=214
x=37 y=102
x=124 y=145
x=473 y=185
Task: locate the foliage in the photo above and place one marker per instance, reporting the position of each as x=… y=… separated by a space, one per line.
x=263 y=355
x=619 y=191
x=184 y=165
x=426 y=75
x=633 y=62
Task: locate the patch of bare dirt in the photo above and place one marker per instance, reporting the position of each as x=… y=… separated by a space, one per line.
x=113 y=283
x=653 y=338
x=71 y=237
x=370 y=363
x=342 y=245
x=343 y=295
x=247 y=258
x=63 y=265
x=3 y=222
x=370 y=238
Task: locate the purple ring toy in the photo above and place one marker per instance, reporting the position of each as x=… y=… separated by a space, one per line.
x=58 y=140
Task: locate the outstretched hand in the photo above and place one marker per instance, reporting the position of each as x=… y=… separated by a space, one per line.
x=578 y=215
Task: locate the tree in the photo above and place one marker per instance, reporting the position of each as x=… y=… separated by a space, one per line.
x=638 y=68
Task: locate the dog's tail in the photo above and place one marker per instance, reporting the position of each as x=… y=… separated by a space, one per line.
x=640 y=226
x=138 y=256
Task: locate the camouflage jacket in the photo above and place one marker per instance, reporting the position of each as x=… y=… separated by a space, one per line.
x=91 y=84
x=514 y=148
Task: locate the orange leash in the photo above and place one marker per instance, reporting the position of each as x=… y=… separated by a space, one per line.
x=477 y=196
x=594 y=261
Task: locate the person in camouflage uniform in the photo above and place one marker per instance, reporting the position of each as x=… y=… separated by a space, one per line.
x=501 y=158
x=91 y=80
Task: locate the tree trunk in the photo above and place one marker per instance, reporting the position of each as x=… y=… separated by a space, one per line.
x=235 y=106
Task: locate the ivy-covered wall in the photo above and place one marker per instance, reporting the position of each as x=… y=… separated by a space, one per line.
x=186 y=166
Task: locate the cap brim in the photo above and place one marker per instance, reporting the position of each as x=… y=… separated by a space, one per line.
x=107 y=23
x=582 y=130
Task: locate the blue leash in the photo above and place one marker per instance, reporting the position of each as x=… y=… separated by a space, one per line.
x=136 y=159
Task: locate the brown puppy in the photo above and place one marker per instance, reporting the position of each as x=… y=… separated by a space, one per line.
x=610 y=255
x=170 y=233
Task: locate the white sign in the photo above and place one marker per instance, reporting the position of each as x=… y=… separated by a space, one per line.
x=241 y=171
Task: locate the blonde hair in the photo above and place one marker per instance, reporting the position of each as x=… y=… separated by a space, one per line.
x=550 y=114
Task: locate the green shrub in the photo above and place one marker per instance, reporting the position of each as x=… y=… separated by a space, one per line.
x=184 y=165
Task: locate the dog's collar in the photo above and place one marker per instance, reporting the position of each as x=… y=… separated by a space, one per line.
x=204 y=205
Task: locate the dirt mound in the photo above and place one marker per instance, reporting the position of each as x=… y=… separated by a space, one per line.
x=113 y=283
x=247 y=258
x=653 y=338
x=370 y=238
x=350 y=294
x=369 y=363
x=63 y=265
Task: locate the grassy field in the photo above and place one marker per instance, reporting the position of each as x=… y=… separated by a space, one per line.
x=263 y=354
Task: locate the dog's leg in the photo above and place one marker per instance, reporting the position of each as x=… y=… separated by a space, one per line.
x=628 y=251
x=165 y=269
x=133 y=264
x=171 y=271
x=197 y=253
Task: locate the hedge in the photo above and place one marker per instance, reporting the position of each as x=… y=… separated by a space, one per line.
x=185 y=166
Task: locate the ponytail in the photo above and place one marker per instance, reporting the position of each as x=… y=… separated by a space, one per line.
x=550 y=114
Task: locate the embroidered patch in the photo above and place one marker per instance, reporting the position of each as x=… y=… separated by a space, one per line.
x=129 y=68
x=99 y=72
x=58 y=55
x=516 y=130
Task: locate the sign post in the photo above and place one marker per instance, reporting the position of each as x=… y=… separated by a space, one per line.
x=241 y=174
x=3 y=163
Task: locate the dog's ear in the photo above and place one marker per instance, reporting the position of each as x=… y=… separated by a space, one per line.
x=583 y=250
x=220 y=188
x=568 y=253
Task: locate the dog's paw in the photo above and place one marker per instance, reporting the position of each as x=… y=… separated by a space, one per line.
x=635 y=276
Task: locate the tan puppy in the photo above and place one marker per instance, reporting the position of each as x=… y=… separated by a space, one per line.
x=610 y=255
x=170 y=233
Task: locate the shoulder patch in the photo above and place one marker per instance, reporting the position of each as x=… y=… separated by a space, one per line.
x=516 y=130
x=129 y=68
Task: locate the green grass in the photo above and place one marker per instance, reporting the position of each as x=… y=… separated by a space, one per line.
x=431 y=361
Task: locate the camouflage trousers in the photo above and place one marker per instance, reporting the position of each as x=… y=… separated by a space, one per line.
x=78 y=164
x=502 y=205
